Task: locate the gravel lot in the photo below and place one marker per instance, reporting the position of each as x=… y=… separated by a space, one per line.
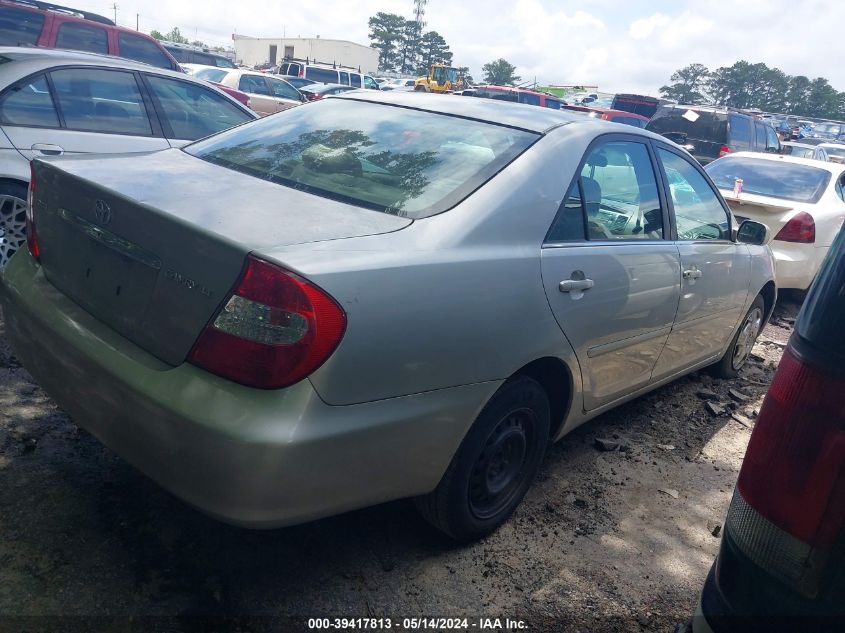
x=610 y=541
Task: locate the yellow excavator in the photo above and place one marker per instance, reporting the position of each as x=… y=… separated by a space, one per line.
x=441 y=78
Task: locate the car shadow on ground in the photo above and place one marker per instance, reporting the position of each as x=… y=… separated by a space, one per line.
x=608 y=540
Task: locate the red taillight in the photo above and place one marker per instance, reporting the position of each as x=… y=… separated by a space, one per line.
x=788 y=508
x=723 y=150
x=801 y=228
x=273 y=331
x=31 y=232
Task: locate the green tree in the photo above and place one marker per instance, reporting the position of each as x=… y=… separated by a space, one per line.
x=433 y=50
x=175 y=36
x=500 y=72
x=387 y=32
x=464 y=71
x=689 y=86
x=410 y=47
x=156 y=35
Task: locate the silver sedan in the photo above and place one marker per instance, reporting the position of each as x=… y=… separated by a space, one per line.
x=377 y=296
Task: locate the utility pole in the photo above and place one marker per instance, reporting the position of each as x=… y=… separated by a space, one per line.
x=114 y=6
x=136 y=22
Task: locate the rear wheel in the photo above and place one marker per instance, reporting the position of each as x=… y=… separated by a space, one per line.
x=495 y=464
x=12 y=220
x=743 y=341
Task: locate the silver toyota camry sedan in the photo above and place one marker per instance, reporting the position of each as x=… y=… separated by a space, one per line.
x=376 y=296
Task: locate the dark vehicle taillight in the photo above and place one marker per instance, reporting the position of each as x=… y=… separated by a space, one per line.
x=801 y=229
x=275 y=329
x=31 y=232
x=789 y=504
x=724 y=150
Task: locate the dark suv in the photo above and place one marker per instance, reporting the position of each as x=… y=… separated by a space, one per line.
x=781 y=566
x=36 y=23
x=709 y=133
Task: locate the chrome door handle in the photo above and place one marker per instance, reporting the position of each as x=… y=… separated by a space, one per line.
x=575 y=285
x=692 y=274
x=48 y=149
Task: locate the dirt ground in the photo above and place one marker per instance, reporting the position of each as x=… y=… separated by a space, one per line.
x=604 y=541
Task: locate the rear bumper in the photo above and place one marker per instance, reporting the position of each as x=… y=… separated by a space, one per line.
x=796 y=265
x=251 y=457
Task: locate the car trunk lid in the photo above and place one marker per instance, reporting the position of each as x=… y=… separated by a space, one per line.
x=152 y=244
x=773 y=213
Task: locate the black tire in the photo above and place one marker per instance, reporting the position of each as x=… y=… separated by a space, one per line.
x=12 y=220
x=742 y=342
x=495 y=464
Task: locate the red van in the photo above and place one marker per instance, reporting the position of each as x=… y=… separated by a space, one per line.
x=609 y=114
x=518 y=95
x=35 y=23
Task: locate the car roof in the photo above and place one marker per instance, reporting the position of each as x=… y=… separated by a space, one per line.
x=797 y=144
x=833 y=168
x=519 y=115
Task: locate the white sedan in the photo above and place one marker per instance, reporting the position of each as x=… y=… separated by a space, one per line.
x=800 y=200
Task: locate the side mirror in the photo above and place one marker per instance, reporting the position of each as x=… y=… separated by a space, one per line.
x=302 y=98
x=751 y=232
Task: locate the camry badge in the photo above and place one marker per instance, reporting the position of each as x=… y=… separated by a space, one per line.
x=103 y=212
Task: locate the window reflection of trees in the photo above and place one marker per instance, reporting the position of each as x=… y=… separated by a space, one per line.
x=338 y=162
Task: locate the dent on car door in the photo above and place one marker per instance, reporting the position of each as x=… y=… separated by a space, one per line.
x=610 y=274
x=78 y=110
x=715 y=269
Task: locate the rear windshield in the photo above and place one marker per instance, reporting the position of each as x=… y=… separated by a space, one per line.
x=774 y=178
x=839 y=152
x=391 y=159
x=828 y=128
x=680 y=124
x=798 y=151
x=211 y=74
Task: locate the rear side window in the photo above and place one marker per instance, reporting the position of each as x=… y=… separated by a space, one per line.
x=740 y=133
x=193 y=111
x=253 y=84
x=698 y=213
x=530 y=99
x=569 y=223
x=620 y=196
x=344 y=77
x=324 y=75
x=629 y=120
x=395 y=160
x=82 y=37
x=680 y=125
x=29 y=103
x=355 y=80
x=19 y=27
x=142 y=50
x=96 y=100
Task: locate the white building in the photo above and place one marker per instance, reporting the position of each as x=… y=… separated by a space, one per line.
x=259 y=50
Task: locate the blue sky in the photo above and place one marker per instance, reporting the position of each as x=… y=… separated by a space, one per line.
x=619 y=45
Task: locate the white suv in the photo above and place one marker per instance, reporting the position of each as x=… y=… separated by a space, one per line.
x=327 y=74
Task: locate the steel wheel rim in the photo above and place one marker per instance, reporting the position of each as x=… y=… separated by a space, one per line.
x=12 y=227
x=499 y=470
x=747 y=336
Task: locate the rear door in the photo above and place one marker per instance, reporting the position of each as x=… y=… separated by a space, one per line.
x=258 y=90
x=714 y=269
x=611 y=276
x=20 y=26
x=740 y=133
x=78 y=111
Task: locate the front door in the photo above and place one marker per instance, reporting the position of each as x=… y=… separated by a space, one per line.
x=258 y=90
x=610 y=275
x=715 y=270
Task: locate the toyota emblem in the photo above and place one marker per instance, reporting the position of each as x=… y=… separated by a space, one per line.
x=102 y=211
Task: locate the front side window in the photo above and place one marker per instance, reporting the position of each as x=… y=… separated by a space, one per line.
x=253 y=84
x=698 y=213
x=19 y=27
x=741 y=132
x=142 y=50
x=29 y=103
x=619 y=191
x=772 y=142
x=96 y=100
x=391 y=159
x=772 y=178
x=760 y=134
x=355 y=80
x=283 y=89
x=192 y=111
x=82 y=37
x=370 y=83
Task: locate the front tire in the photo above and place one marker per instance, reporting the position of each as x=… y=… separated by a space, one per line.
x=495 y=464
x=740 y=348
x=12 y=220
